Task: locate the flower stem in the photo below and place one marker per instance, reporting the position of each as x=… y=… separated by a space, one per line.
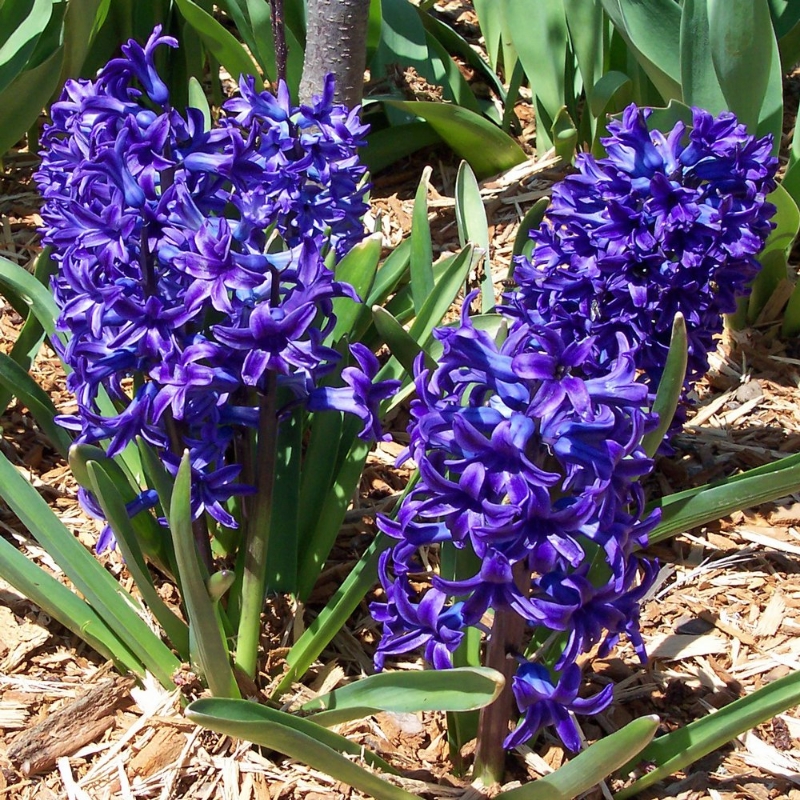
x=257 y=532
x=279 y=36
x=507 y=631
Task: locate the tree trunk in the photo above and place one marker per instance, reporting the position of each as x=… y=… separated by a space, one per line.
x=336 y=41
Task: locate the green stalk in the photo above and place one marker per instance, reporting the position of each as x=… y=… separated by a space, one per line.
x=254 y=578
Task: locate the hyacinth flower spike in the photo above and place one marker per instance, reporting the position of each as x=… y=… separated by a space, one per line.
x=193 y=285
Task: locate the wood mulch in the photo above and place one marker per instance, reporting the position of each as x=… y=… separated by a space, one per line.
x=722 y=621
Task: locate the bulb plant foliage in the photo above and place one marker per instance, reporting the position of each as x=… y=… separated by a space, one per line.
x=206 y=324
x=529 y=446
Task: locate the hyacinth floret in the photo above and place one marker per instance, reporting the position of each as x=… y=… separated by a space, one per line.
x=529 y=456
x=191 y=262
x=664 y=223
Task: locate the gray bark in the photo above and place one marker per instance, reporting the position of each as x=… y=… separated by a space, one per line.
x=336 y=41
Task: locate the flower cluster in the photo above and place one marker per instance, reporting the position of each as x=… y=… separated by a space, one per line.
x=528 y=455
x=192 y=274
x=662 y=224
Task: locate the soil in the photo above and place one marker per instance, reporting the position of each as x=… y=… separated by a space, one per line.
x=722 y=621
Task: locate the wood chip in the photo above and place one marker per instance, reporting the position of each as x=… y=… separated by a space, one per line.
x=772 y=616
x=678 y=646
x=68 y=729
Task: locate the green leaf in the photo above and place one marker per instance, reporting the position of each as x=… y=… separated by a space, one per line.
x=198 y=100
x=402 y=304
x=457 y=689
x=31 y=336
x=220 y=42
x=459 y=46
x=421 y=246
x=564 y=135
x=687 y=744
x=685 y=510
x=401 y=345
x=297 y=738
x=18 y=282
x=699 y=81
x=156 y=473
x=204 y=623
x=741 y=43
x=652 y=31
x=543 y=56
x=385 y=147
x=101 y=590
x=316 y=475
x=358 y=268
x=611 y=93
x=486 y=148
x=490 y=18
x=773 y=272
x=447 y=74
x=586 y=23
x=321 y=541
x=24 y=387
x=664 y=119
x=390 y=273
x=283 y=550
x=82 y=21
x=149 y=533
x=64 y=606
x=786 y=220
x=670 y=386
x=591 y=766
x=473 y=228
x=791 y=315
x=332 y=618
x=523 y=244
x=105 y=490
x=22 y=101
x=403 y=42
x=21 y=24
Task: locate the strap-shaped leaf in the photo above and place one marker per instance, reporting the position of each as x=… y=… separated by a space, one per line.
x=114 y=509
x=319 y=544
x=473 y=228
x=543 y=57
x=670 y=386
x=111 y=602
x=441 y=298
x=20 y=283
x=297 y=738
x=21 y=25
x=523 y=244
x=331 y=619
x=652 y=31
x=457 y=689
x=401 y=345
x=358 y=268
x=207 y=641
x=485 y=146
x=24 y=98
x=64 y=606
x=691 y=742
x=699 y=80
x=17 y=381
x=151 y=536
x=685 y=510
x=385 y=147
x=220 y=42
x=459 y=46
x=742 y=45
x=421 y=246
x=591 y=766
